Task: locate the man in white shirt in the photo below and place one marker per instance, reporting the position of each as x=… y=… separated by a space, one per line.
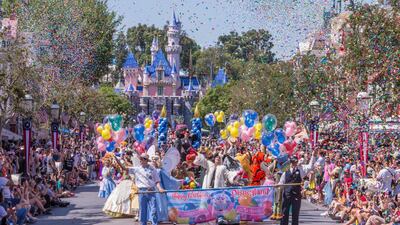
x=385 y=177
x=146 y=179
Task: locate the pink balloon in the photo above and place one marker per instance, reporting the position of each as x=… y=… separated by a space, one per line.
x=290 y=128
x=245 y=137
x=251 y=131
x=99 y=140
x=101 y=147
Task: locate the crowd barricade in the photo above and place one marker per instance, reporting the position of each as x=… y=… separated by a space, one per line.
x=234 y=204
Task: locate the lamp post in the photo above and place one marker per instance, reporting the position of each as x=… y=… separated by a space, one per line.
x=315 y=109
x=82 y=118
x=363 y=101
x=55 y=115
x=27 y=127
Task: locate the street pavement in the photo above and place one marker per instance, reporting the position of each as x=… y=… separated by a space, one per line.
x=86 y=209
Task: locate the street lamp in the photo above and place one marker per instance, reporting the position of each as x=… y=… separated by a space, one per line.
x=27 y=127
x=82 y=118
x=363 y=101
x=55 y=115
x=315 y=110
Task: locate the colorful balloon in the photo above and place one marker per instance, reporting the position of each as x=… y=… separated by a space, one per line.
x=210 y=119
x=107 y=126
x=290 y=128
x=99 y=129
x=258 y=126
x=280 y=135
x=224 y=134
x=269 y=122
x=267 y=138
x=106 y=134
x=141 y=117
x=155 y=114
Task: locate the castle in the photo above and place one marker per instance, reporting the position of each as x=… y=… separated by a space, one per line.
x=163 y=82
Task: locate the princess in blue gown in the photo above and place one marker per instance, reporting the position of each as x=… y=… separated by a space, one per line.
x=107 y=184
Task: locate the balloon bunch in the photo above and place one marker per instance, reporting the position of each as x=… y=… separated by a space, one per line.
x=220 y=116
x=196 y=129
x=190 y=183
x=210 y=119
x=112 y=135
x=268 y=137
x=278 y=140
x=162 y=127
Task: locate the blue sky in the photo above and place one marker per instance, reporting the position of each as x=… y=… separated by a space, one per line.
x=289 y=21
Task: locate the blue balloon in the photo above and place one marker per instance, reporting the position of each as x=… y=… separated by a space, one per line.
x=280 y=135
x=110 y=146
x=274 y=149
x=267 y=138
x=234 y=117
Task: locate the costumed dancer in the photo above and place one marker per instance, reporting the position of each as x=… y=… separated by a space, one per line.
x=123 y=201
x=107 y=184
x=292 y=194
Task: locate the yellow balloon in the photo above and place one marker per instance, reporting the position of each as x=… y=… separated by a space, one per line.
x=221 y=113
x=147 y=119
x=106 y=134
x=107 y=127
x=257 y=135
x=229 y=128
x=147 y=125
x=220 y=119
x=224 y=134
x=216 y=114
x=236 y=124
x=258 y=126
x=234 y=132
x=100 y=129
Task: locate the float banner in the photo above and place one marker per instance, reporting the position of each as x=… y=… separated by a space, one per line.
x=233 y=204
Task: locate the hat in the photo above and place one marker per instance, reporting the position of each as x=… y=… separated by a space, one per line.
x=144 y=156
x=293 y=159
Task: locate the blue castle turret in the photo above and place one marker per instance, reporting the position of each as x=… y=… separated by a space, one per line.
x=220 y=79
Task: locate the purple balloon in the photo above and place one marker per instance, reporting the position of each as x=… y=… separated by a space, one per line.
x=234 y=117
x=141 y=117
x=155 y=114
x=148 y=140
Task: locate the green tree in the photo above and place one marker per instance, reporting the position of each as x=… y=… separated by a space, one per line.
x=372 y=55
x=18 y=76
x=251 y=45
x=218 y=98
x=76 y=39
x=115 y=103
x=120 y=53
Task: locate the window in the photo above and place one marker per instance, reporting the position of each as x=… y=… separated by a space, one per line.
x=160 y=75
x=160 y=91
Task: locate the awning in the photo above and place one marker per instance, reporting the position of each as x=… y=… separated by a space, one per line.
x=9 y=135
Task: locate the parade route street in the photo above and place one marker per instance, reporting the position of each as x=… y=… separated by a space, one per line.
x=86 y=209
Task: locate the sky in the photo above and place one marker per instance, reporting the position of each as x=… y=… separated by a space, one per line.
x=289 y=21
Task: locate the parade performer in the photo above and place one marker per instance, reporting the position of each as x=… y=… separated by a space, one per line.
x=258 y=174
x=123 y=201
x=107 y=184
x=146 y=179
x=292 y=194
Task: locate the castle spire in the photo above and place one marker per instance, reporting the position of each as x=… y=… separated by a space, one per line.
x=154 y=49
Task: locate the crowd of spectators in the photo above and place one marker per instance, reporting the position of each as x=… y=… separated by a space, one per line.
x=52 y=176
